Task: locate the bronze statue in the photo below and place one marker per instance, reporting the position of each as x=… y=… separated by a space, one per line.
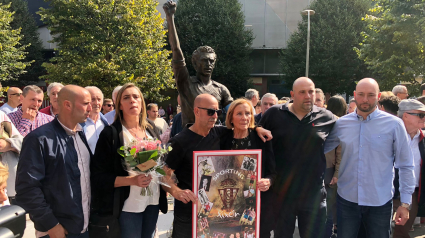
x=203 y=60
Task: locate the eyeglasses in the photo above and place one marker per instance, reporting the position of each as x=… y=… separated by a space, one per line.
x=17 y=94
x=109 y=105
x=211 y=112
x=420 y=115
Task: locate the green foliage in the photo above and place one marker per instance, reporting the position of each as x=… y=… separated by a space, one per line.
x=393 y=43
x=221 y=25
x=23 y=20
x=335 y=31
x=11 y=51
x=106 y=43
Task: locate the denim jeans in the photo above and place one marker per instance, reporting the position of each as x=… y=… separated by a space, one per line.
x=376 y=220
x=82 y=235
x=330 y=210
x=311 y=214
x=139 y=225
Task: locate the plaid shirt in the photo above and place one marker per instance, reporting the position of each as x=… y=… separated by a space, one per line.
x=25 y=126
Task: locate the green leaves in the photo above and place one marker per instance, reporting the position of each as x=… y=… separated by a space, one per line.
x=108 y=43
x=12 y=53
x=335 y=31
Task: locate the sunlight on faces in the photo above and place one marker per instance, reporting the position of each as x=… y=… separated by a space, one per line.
x=53 y=96
x=201 y=115
x=33 y=100
x=153 y=112
x=303 y=94
x=267 y=103
x=131 y=102
x=242 y=117
x=15 y=98
x=367 y=95
x=96 y=100
x=351 y=107
x=412 y=121
x=81 y=107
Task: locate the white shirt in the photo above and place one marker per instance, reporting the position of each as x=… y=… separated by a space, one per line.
x=414 y=146
x=161 y=124
x=92 y=131
x=8 y=109
x=110 y=116
x=135 y=202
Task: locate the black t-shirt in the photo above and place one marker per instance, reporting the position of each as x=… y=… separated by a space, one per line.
x=298 y=149
x=180 y=159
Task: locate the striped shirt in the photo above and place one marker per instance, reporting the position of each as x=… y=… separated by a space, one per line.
x=24 y=125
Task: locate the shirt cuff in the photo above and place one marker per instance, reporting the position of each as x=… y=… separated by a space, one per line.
x=406 y=198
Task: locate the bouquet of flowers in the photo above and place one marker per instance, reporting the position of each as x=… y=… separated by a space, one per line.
x=145 y=157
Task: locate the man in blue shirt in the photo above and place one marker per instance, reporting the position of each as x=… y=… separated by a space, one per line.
x=373 y=142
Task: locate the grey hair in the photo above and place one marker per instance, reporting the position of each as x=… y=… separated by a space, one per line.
x=400 y=113
x=115 y=92
x=33 y=88
x=320 y=91
x=398 y=89
x=95 y=88
x=250 y=93
x=52 y=85
x=270 y=95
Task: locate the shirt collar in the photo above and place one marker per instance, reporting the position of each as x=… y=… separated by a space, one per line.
x=285 y=107
x=69 y=131
x=369 y=117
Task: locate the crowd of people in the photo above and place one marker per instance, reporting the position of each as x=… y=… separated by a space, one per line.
x=329 y=165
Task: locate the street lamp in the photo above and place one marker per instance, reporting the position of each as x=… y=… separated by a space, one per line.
x=308 y=13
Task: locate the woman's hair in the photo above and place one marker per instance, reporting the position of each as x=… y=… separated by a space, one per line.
x=4 y=173
x=119 y=114
x=337 y=105
x=232 y=107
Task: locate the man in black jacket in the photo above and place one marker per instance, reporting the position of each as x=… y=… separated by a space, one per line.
x=53 y=177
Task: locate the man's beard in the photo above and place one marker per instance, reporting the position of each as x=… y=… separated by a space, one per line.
x=370 y=108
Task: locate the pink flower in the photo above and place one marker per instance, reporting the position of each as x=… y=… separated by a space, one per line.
x=151 y=145
x=137 y=148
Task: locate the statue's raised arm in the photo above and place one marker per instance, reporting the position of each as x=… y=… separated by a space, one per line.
x=170 y=9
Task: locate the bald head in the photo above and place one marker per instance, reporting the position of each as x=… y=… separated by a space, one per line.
x=13 y=96
x=13 y=90
x=71 y=93
x=368 y=83
x=301 y=82
x=205 y=100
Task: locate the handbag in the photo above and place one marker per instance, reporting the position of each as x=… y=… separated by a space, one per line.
x=107 y=226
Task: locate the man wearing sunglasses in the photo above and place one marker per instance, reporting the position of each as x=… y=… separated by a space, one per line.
x=108 y=105
x=412 y=112
x=13 y=100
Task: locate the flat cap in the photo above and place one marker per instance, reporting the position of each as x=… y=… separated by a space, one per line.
x=411 y=104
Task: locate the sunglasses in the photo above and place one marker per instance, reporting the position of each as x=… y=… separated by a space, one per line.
x=109 y=105
x=211 y=112
x=17 y=94
x=420 y=115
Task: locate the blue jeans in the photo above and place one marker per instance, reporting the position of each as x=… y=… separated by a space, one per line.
x=376 y=220
x=82 y=235
x=139 y=225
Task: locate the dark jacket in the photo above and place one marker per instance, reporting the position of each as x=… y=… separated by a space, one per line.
x=177 y=125
x=48 y=179
x=421 y=193
x=106 y=165
x=257 y=118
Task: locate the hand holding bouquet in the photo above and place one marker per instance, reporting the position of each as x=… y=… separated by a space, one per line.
x=145 y=157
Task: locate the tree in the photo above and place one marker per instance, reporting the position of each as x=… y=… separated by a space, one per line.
x=23 y=20
x=221 y=25
x=12 y=53
x=393 y=42
x=335 y=30
x=106 y=43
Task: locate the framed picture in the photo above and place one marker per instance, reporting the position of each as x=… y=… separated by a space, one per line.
x=228 y=204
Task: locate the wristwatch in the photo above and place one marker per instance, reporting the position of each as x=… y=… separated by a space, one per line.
x=406 y=205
